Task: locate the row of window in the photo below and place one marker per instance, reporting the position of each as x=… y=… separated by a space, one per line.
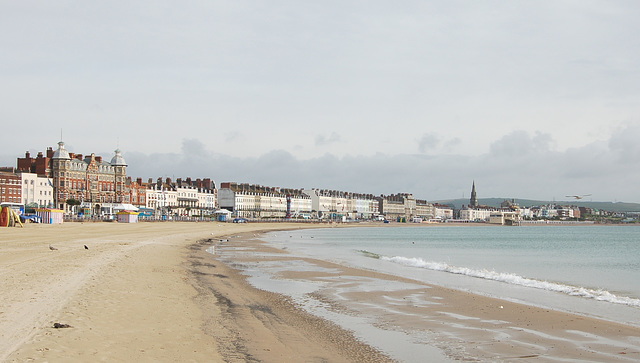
x=79 y=165
x=46 y=192
x=9 y=181
x=91 y=175
x=10 y=190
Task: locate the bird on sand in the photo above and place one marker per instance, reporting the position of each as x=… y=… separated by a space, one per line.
x=85 y=247
x=52 y=248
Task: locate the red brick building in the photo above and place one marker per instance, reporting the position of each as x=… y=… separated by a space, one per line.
x=137 y=192
x=10 y=187
x=90 y=180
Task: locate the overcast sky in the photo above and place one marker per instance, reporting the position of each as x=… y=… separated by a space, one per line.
x=531 y=99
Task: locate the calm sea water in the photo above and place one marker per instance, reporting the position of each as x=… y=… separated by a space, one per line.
x=593 y=270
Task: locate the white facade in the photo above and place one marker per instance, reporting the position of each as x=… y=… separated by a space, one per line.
x=187 y=201
x=36 y=191
x=255 y=201
x=366 y=208
x=328 y=203
x=161 y=198
x=300 y=205
x=443 y=212
x=476 y=214
x=207 y=201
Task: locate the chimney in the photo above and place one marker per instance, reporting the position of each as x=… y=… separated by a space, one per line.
x=139 y=181
x=27 y=155
x=99 y=159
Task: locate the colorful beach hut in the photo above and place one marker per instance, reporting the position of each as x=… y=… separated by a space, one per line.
x=127 y=216
x=9 y=217
x=50 y=216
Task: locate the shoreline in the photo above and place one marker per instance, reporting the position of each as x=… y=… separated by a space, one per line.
x=151 y=292
x=463 y=325
x=252 y=324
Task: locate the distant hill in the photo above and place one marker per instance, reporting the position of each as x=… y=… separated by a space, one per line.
x=495 y=202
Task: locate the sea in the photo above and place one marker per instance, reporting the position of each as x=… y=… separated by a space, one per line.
x=590 y=270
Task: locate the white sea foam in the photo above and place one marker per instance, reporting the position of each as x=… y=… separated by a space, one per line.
x=601 y=295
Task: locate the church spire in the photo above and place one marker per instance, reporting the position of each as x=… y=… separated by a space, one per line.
x=473 y=202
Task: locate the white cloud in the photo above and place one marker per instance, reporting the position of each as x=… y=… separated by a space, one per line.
x=324 y=140
x=428 y=141
x=510 y=94
x=520 y=172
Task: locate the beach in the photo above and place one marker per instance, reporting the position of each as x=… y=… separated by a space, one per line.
x=140 y=293
x=152 y=292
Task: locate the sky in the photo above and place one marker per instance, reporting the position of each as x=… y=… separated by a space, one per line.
x=535 y=100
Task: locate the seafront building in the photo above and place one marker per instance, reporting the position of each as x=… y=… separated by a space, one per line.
x=24 y=188
x=256 y=201
x=182 y=198
x=92 y=181
x=160 y=196
x=90 y=186
x=99 y=187
x=333 y=204
x=10 y=187
x=443 y=212
x=507 y=213
x=37 y=191
x=404 y=206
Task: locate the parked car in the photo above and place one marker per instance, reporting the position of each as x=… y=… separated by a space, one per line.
x=240 y=220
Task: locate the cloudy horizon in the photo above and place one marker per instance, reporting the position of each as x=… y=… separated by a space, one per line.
x=531 y=100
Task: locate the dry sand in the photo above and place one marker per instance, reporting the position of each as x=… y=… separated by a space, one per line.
x=149 y=292
x=138 y=294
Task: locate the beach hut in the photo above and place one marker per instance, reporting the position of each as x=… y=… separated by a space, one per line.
x=222 y=215
x=50 y=216
x=127 y=216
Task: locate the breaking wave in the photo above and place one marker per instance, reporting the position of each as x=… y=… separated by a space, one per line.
x=600 y=295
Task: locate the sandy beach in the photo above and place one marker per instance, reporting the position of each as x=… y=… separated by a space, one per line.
x=139 y=293
x=150 y=292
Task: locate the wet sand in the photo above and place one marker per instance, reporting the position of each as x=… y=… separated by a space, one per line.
x=463 y=326
x=150 y=292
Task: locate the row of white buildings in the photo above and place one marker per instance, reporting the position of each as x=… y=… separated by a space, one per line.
x=255 y=201
x=182 y=199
